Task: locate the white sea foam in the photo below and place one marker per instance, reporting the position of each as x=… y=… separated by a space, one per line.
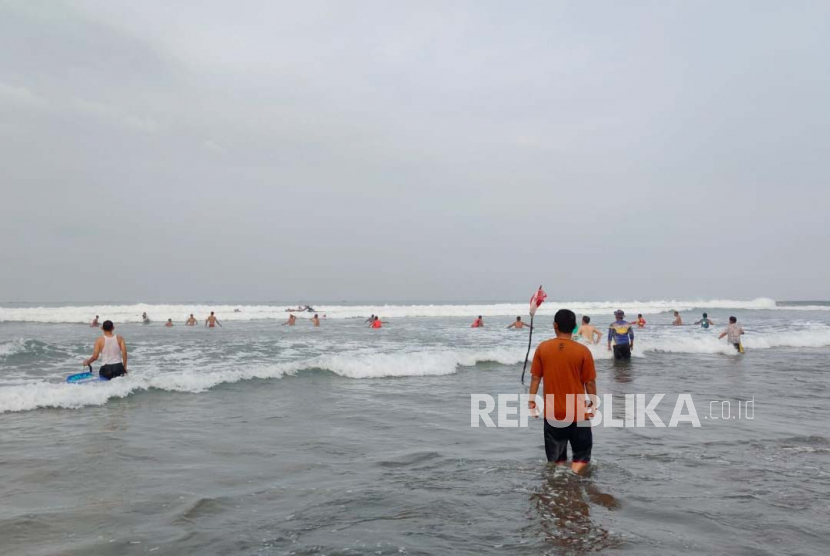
x=363 y=364
x=180 y=312
x=425 y=363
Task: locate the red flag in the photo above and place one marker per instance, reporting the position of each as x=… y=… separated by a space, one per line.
x=537 y=299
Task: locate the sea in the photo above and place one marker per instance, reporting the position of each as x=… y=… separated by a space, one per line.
x=258 y=438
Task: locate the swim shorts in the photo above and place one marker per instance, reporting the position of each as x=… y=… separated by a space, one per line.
x=557 y=438
x=622 y=351
x=109 y=372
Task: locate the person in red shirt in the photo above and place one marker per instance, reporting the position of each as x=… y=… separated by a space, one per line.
x=567 y=368
x=478 y=323
x=641 y=322
x=377 y=323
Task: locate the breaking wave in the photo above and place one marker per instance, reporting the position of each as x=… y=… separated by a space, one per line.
x=180 y=312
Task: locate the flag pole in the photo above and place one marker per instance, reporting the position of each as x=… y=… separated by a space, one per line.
x=535 y=301
x=527 y=355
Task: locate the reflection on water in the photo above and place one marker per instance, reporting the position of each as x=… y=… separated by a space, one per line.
x=564 y=505
x=622 y=371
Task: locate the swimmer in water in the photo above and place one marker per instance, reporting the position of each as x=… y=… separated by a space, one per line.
x=677 y=320
x=292 y=320
x=641 y=322
x=589 y=332
x=377 y=323
x=371 y=319
x=518 y=324
x=94 y=323
x=478 y=323
x=315 y=320
x=169 y=323
x=144 y=318
x=705 y=322
x=191 y=321
x=212 y=321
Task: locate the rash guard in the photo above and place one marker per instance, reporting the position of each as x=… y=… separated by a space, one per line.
x=620 y=333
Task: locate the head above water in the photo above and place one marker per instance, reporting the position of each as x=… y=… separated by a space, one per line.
x=619 y=313
x=639 y=315
x=518 y=319
x=211 y=312
x=564 y=321
x=733 y=320
x=705 y=316
x=676 y=313
x=586 y=320
x=315 y=315
x=108 y=326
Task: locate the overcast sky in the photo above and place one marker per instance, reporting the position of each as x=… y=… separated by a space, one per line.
x=355 y=150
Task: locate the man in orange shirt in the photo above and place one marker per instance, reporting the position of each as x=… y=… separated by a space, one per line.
x=568 y=371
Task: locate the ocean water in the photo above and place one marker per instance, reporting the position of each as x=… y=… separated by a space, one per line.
x=257 y=438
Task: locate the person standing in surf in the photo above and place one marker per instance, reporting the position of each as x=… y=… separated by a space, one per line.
x=478 y=323
x=568 y=371
x=191 y=321
x=677 y=320
x=113 y=352
x=733 y=334
x=704 y=322
x=315 y=320
x=621 y=334
x=517 y=324
x=212 y=321
x=292 y=320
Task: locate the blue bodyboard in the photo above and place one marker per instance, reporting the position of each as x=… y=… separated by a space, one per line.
x=82 y=378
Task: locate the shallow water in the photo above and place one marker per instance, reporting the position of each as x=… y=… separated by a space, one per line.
x=260 y=439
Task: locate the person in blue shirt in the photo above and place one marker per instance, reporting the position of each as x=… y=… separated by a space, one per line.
x=621 y=335
x=705 y=322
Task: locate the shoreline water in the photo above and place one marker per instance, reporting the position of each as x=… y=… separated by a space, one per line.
x=262 y=439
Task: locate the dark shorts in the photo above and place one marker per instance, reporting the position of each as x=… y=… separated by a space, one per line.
x=111 y=371
x=622 y=351
x=557 y=439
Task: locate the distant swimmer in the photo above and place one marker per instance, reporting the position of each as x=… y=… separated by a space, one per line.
x=377 y=323
x=191 y=321
x=315 y=320
x=705 y=322
x=733 y=334
x=517 y=324
x=589 y=332
x=113 y=352
x=568 y=371
x=371 y=319
x=169 y=323
x=94 y=323
x=478 y=323
x=292 y=320
x=144 y=318
x=677 y=320
x=641 y=322
x=212 y=321
x=237 y=310
x=621 y=334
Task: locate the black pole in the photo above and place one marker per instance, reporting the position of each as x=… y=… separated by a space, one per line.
x=527 y=355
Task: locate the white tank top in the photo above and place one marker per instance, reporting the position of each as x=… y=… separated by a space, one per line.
x=111 y=353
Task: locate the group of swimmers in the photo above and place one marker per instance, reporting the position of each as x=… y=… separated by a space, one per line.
x=621 y=332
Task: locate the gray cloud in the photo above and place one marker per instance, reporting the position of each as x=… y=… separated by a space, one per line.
x=331 y=150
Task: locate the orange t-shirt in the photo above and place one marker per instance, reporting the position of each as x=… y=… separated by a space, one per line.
x=377 y=324
x=565 y=366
